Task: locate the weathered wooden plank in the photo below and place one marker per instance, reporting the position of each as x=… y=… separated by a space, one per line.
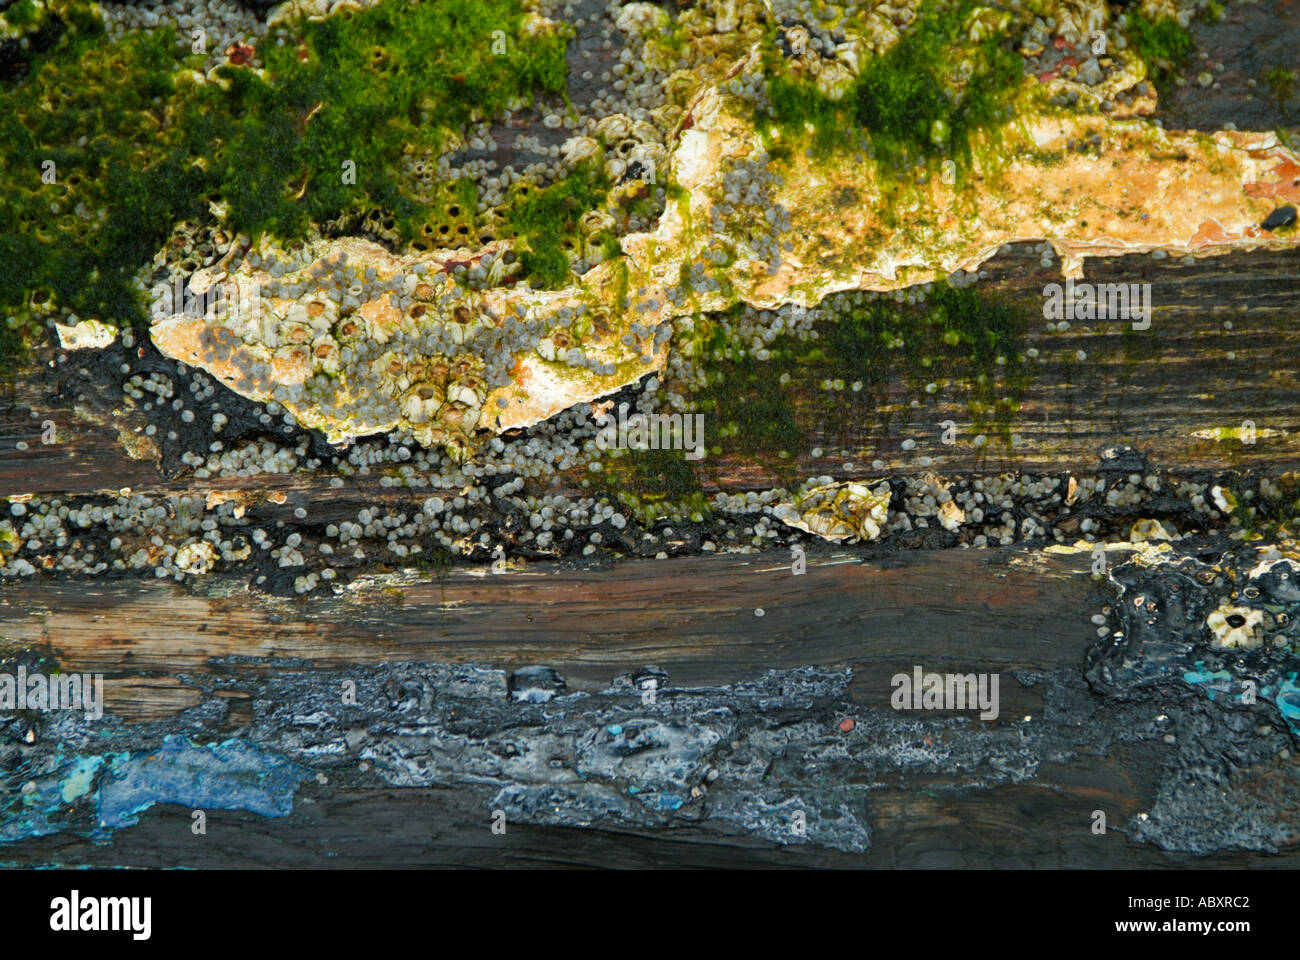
x=1151 y=389
x=1024 y=826
x=694 y=616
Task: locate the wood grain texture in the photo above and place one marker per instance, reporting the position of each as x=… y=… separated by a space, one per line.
x=694 y=616
x=1150 y=389
x=1001 y=611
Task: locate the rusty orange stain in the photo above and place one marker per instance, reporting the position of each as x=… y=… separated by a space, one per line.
x=1285 y=187
x=1208 y=234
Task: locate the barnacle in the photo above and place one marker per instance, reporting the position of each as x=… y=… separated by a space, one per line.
x=577 y=149
x=1232 y=626
x=1144 y=531
x=687 y=204
x=839 y=511
x=325 y=354
x=195 y=556
x=9 y=539
x=423 y=402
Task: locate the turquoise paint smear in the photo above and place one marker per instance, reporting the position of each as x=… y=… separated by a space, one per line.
x=1287 y=696
x=1200 y=675
x=224 y=776
x=1288 y=701
x=1205 y=676
x=232 y=775
x=79 y=781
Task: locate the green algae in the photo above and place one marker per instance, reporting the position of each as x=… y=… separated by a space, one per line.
x=848 y=382
x=545 y=219
x=95 y=111
x=903 y=98
x=1275 y=517
x=965 y=342
x=1281 y=86
x=1162 y=44
x=747 y=413
x=329 y=100
x=138 y=145
x=653 y=484
x=655 y=479
x=906 y=102
x=25 y=14
x=13 y=351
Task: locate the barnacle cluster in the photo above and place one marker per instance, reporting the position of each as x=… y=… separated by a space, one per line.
x=1226 y=625
x=840 y=511
x=739 y=213
x=1246 y=599
x=562 y=211
x=354 y=344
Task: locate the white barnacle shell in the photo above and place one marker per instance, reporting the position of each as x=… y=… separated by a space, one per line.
x=497 y=272
x=850 y=53
x=839 y=511
x=458 y=393
x=295 y=354
x=377 y=331
x=325 y=353
x=641 y=18
x=195 y=556
x=534 y=25
x=1235 y=626
x=577 y=149
x=391 y=371
x=834 y=79
x=644 y=132
x=615 y=167
x=267 y=331
x=614 y=127
x=1147 y=531
x=422 y=403
x=596 y=221
x=797 y=38
x=652 y=153
x=985 y=22
x=294 y=331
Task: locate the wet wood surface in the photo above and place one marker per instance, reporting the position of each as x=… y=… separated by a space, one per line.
x=1001 y=611
x=695 y=616
x=1150 y=389
x=960 y=610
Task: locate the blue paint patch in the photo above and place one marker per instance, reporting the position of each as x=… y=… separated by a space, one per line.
x=1288 y=701
x=1221 y=678
x=614 y=729
x=222 y=776
x=233 y=775
x=1287 y=697
x=1205 y=676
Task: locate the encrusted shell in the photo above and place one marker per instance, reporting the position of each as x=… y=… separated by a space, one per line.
x=839 y=511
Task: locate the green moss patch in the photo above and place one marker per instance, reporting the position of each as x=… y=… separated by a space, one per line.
x=907 y=102
x=98 y=113
x=1281 y=86
x=394 y=78
x=965 y=343
x=546 y=221
x=1162 y=44
x=138 y=146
